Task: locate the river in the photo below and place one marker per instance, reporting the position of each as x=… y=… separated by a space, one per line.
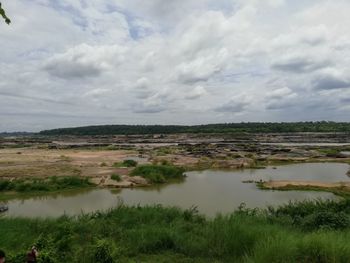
x=212 y=191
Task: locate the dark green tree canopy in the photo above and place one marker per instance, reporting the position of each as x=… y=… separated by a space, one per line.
x=243 y=127
x=3 y=14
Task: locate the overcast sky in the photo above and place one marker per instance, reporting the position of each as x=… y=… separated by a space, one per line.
x=80 y=62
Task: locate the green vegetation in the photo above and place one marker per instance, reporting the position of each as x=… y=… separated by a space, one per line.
x=330 y=152
x=159 y=173
x=3 y=14
x=126 y=163
x=250 y=127
x=130 y=163
x=103 y=164
x=342 y=191
x=162 y=151
x=43 y=185
x=116 y=177
x=297 y=232
x=17 y=145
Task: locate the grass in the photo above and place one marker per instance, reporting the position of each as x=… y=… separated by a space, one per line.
x=341 y=191
x=43 y=185
x=65 y=158
x=297 y=232
x=159 y=173
x=126 y=163
x=162 y=151
x=330 y=152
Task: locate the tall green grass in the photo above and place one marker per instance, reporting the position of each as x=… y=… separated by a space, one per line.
x=126 y=163
x=43 y=185
x=159 y=234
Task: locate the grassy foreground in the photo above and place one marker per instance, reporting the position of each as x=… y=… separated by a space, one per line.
x=303 y=232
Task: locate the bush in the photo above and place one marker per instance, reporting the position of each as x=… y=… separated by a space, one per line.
x=326 y=220
x=159 y=173
x=5 y=185
x=311 y=215
x=330 y=152
x=116 y=177
x=156 y=178
x=130 y=163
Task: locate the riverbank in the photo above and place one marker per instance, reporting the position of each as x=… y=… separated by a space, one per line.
x=99 y=164
x=24 y=187
x=303 y=232
x=140 y=176
x=338 y=188
x=108 y=162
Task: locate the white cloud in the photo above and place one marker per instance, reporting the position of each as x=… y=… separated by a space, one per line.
x=196 y=93
x=85 y=61
x=148 y=61
x=281 y=98
x=236 y=104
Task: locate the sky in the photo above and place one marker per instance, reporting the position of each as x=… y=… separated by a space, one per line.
x=68 y=63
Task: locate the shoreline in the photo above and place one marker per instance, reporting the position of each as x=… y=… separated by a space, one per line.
x=130 y=182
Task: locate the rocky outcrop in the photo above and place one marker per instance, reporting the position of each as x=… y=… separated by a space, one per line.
x=233 y=164
x=125 y=182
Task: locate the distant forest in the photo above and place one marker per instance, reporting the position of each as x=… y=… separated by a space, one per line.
x=248 y=127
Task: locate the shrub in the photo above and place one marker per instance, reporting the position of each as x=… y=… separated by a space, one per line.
x=330 y=152
x=325 y=220
x=44 y=185
x=130 y=163
x=5 y=185
x=116 y=177
x=126 y=163
x=156 y=178
x=159 y=173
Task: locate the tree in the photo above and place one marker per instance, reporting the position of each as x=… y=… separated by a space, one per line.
x=3 y=14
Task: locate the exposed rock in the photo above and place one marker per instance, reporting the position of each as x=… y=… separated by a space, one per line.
x=137 y=180
x=126 y=181
x=233 y=164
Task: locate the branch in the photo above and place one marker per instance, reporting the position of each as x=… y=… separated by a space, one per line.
x=3 y=14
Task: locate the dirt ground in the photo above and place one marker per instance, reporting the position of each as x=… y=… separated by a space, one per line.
x=97 y=162
x=28 y=162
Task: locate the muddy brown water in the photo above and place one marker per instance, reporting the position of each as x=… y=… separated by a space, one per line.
x=212 y=191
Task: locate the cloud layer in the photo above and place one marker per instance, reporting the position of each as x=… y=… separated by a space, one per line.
x=76 y=62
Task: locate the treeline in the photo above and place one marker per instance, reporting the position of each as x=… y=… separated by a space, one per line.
x=244 y=127
x=16 y=134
